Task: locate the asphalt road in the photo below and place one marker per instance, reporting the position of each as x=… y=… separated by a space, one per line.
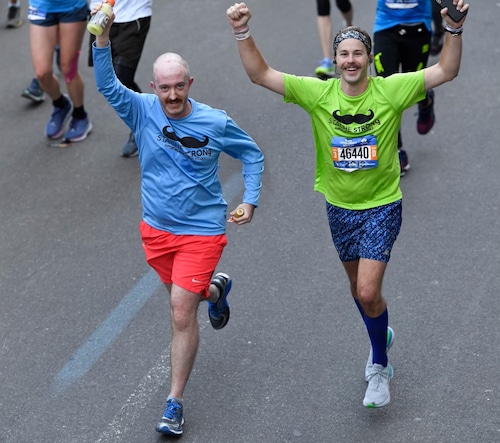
x=84 y=328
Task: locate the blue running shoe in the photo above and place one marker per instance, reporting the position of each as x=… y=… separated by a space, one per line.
x=78 y=130
x=172 y=420
x=326 y=68
x=34 y=92
x=219 y=312
x=58 y=119
x=129 y=149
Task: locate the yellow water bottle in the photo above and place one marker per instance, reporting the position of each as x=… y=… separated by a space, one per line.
x=100 y=19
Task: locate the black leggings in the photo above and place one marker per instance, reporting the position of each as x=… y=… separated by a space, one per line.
x=401 y=49
x=127 y=43
x=324 y=6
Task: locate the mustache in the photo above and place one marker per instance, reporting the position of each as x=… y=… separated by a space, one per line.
x=187 y=142
x=347 y=119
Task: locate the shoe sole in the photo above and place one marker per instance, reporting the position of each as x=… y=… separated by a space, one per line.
x=129 y=155
x=164 y=429
x=35 y=98
x=126 y=155
x=403 y=171
x=219 y=323
x=14 y=25
x=374 y=406
x=168 y=431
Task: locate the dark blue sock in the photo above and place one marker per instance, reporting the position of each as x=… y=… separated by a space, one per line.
x=360 y=308
x=377 y=330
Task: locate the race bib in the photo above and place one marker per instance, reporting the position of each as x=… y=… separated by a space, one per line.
x=353 y=154
x=401 y=4
x=36 y=14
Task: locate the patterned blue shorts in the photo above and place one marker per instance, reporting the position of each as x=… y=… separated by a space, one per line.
x=368 y=233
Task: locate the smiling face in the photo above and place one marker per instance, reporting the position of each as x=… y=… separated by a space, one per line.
x=171 y=83
x=352 y=60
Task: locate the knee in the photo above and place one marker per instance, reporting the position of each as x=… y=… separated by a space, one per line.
x=182 y=319
x=44 y=77
x=69 y=69
x=368 y=297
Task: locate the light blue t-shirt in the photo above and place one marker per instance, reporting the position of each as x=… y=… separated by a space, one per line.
x=181 y=190
x=391 y=13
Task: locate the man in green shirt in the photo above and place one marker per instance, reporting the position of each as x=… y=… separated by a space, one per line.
x=355 y=121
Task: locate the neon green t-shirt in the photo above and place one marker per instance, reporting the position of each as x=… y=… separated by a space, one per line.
x=357 y=165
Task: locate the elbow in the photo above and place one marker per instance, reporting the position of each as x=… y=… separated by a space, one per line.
x=454 y=75
x=256 y=79
x=451 y=76
x=451 y=73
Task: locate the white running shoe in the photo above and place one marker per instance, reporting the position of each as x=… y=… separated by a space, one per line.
x=377 y=393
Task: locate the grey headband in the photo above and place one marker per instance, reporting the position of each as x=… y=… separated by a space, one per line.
x=351 y=33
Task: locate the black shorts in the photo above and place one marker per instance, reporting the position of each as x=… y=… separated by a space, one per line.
x=401 y=49
x=323 y=6
x=127 y=42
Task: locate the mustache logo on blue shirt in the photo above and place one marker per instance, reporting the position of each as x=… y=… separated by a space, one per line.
x=347 y=119
x=187 y=142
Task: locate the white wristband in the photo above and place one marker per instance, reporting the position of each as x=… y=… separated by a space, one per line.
x=242 y=35
x=454 y=31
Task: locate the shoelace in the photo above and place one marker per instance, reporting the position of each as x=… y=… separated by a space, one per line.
x=171 y=410
x=379 y=374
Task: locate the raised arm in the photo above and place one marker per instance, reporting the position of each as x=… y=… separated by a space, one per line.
x=255 y=66
x=449 y=62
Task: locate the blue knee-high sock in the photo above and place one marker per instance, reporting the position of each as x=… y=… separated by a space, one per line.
x=377 y=330
x=361 y=311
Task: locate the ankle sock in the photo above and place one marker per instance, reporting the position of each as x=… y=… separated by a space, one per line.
x=79 y=113
x=59 y=102
x=177 y=399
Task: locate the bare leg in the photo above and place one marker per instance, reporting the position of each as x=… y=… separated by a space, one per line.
x=71 y=36
x=43 y=40
x=325 y=34
x=185 y=337
x=185 y=334
x=348 y=16
x=365 y=277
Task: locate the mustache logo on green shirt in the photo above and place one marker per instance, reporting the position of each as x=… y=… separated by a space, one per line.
x=347 y=119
